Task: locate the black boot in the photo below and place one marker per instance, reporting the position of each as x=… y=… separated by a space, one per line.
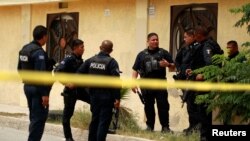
x=69 y=139
x=191 y=129
x=166 y=130
x=149 y=129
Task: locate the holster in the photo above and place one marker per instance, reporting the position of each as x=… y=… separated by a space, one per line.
x=64 y=94
x=68 y=92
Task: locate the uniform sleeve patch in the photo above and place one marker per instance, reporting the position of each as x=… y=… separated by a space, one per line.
x=208 y=51
x=41 y=57
x=62 y=62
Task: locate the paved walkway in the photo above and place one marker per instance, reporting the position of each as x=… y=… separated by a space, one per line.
x=12 y=134
x=21 y=123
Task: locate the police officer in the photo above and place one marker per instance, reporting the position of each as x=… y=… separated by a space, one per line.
x=102 y=99
x=183 y=56
x=32 y=57
x=71 y=94
x=201 y=57
x=182 y=62
x=152 y=63
x=233 y=51
x=208 y=47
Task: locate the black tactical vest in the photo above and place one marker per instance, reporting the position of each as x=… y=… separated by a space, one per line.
x=150 y=63
x=73 y=64
x=99 y=65
x=25 y=56
x=76 y=63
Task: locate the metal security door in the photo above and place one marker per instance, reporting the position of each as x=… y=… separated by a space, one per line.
x=61 y=25
x=186 y=16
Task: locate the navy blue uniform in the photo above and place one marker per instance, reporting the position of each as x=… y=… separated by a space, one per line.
x=202 y=53
x=32 y=57
x=183 y=62
x=201 y=57
x=70 y=64
x=147 y=65
x=101 y=99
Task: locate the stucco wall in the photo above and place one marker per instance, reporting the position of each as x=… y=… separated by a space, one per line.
x=10 y=39
x=226 y=21
x=126 y=26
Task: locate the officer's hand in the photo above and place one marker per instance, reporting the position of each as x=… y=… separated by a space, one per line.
x=135 y=89
x=45 y=101
x=199 y=77
x=189 y=72
x=70 y=85
x=164 y=63
x=117 y=103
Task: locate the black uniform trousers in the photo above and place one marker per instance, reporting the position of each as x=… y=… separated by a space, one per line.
x=38 y=113
x=161 y=97
x=70 y=98
x=192 y=109
x=198 y=113
x=101 y=108
x=206 y=123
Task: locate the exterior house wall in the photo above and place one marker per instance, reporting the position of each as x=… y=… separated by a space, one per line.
x=127 y=26
x=226 y=21
x=10 y=38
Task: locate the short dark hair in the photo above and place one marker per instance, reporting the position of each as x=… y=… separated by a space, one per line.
x=152 y=34
x=201 y=30
x=76 y=42
x=232 y=42
x=39 y=32
x=189 y=31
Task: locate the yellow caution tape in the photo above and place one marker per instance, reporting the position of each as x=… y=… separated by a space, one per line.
x=108 y=81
